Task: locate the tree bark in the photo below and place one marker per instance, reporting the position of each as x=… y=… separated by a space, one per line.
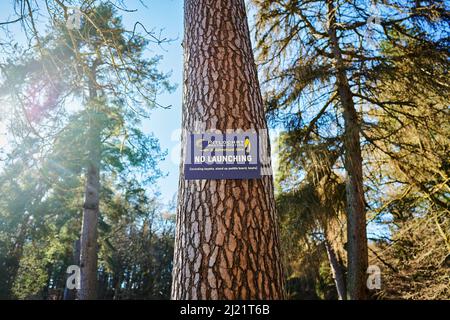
x=337 y=271
x=227 y=241
x=356 y=214
x=88 y=245
x=88 y=253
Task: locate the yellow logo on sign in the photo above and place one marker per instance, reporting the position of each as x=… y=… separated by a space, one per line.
x=247 y=145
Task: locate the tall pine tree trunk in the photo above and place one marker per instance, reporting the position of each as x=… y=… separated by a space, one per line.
x=356 y=213
x=89 y=246
x=227 y=241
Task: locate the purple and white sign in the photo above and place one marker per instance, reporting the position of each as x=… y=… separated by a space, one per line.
x=222 y=156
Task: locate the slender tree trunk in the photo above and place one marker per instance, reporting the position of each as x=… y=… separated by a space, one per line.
x=71 y=294
x=89 y=247
x=356 y=213
x=11 y=262
x=116 y=285
x=227 y=242
x=337 y=271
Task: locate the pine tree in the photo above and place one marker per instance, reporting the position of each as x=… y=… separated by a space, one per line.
x=227 y=242
x=102 y=66
x=320 y=59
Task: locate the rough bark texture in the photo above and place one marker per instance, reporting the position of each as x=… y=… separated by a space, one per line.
x=356 y=213
x=88 y=252
x=337 y=271
x=227 y=242
x=88 y=241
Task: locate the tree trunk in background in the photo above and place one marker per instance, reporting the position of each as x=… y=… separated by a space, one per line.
x=89 y=246
x=356 y=214
x=227 y=241
x=11 y=264
x=337 y=271
x=72 y=294
x=88 y=253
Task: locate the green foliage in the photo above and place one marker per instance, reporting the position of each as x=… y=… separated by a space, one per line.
x=32 y=275
x=76 y=97
x=399 y=83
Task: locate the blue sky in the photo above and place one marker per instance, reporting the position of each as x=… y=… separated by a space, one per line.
x=161 y=16
x=165 y=123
